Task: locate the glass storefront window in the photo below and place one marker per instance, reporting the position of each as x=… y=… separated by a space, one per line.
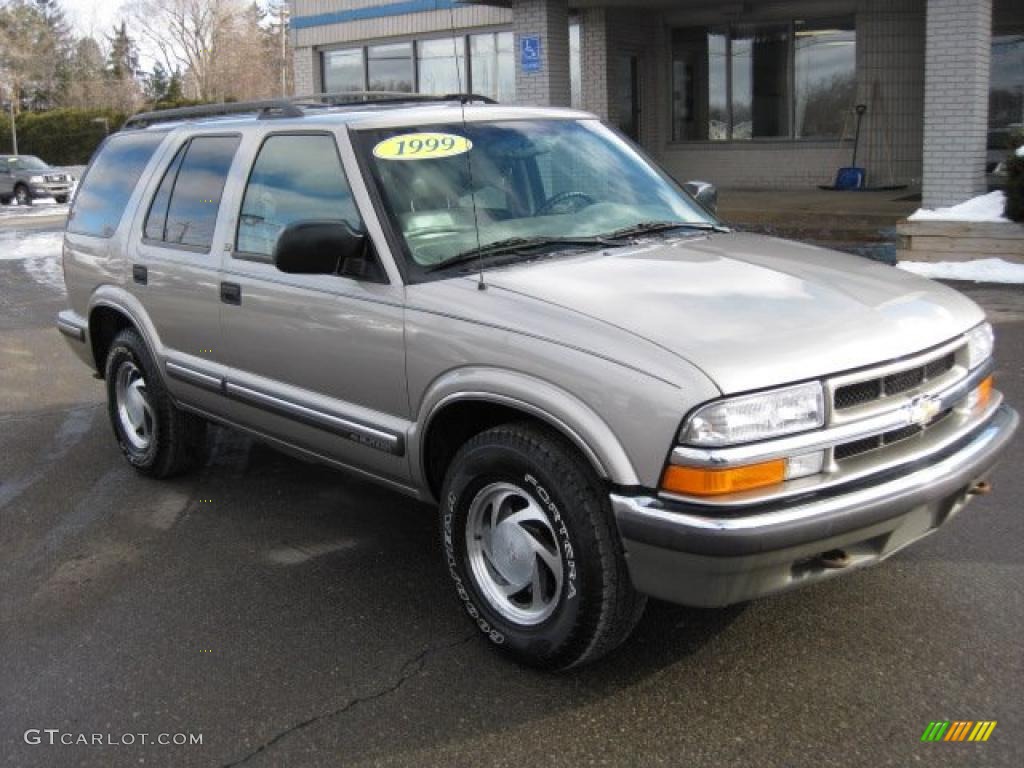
x=343 y=71
x=575 y=65
x=1006 y=89
x=493 y=65
x=825 y=58
x=390 y=67
x=436 y=68
x=751 y=81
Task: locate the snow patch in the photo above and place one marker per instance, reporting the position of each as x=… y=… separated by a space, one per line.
x=44 y=206
x=985 y=208
x=976 y=271
x=40 y=252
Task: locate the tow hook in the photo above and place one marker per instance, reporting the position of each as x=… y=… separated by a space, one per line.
x=980 y=488
x=834 y=558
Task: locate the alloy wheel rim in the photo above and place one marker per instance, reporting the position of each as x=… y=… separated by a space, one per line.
x=133 y=407
x=514 y=554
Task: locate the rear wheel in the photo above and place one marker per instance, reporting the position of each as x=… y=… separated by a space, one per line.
x=156 y=437
x=22 y=196
x=532 y=549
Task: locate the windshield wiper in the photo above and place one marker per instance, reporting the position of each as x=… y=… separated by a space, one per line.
x=515 y=245
x=647 y=227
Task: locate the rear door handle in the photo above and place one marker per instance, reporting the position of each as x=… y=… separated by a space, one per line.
x=140 y=274
x=231 y=293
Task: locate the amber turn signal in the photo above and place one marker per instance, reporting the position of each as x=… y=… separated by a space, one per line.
x=984 y=392
x=693 y=481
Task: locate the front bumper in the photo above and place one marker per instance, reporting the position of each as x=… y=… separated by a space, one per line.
x=51 y=189
x=677 y=552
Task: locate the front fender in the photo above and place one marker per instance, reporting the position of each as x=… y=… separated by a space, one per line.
x=542 y=399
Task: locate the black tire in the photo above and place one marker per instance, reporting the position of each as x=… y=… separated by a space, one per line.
x=61 y=199
x=22 y=195
x=597 y=606
x=174 y=439
x=5 y=200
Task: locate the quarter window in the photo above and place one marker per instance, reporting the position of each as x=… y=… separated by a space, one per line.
x=184 y=209
x=294 y=178
x=109 y=183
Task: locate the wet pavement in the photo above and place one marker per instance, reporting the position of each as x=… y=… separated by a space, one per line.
x=293 y=615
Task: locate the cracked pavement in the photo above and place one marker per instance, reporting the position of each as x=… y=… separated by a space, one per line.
x=296 y=616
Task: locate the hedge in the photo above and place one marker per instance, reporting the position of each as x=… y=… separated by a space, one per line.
x=59 y=136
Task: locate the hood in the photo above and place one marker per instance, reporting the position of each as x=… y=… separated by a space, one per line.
x=751 y=311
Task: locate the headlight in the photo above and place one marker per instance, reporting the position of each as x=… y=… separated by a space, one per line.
x=757 y=417
x=980 y=342
x=36 y=180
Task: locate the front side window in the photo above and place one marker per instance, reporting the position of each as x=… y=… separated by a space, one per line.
x=294 y=178
x=109 y=182
x=191 y=190
x=452 y=189
x=389 y=67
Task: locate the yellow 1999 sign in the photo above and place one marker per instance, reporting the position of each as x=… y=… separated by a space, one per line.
x=422 y=146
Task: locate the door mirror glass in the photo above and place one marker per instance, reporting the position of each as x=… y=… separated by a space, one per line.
x=704 y=193
x=319 y=247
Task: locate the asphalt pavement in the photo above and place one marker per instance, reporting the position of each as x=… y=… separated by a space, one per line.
x=292 y=615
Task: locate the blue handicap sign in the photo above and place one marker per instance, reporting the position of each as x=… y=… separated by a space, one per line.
x=529 y=53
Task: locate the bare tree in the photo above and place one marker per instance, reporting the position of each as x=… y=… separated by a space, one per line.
x=188 y=35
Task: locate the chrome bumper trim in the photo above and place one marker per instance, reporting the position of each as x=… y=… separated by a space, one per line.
x=679 y=527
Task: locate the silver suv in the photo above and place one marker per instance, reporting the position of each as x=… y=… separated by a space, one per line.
x=24 y=178
x=511 y=313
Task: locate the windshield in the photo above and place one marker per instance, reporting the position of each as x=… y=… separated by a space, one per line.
x=533 y=182
x=30 y=163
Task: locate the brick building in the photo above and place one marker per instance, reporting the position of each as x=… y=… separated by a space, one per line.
x=744 y=93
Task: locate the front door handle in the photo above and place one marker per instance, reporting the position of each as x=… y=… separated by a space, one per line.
x=231 y=293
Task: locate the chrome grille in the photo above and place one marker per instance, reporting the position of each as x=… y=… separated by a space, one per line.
x=865 y=445
x=869 y=390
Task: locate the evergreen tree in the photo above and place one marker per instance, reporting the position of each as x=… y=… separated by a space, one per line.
x=157 y=83
x=123 y=60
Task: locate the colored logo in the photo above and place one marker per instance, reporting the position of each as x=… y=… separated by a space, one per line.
x=958 y=730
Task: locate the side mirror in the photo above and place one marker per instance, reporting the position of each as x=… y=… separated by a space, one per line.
x=704 y=193
x=318 y=247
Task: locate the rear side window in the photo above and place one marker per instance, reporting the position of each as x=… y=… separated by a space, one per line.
x=109 y=182
x=294 y=178
x=184 y=208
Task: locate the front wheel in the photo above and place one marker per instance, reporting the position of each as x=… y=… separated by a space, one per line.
x=156 y=437
x=61 y=199
x=532 y=549
x=22 y=196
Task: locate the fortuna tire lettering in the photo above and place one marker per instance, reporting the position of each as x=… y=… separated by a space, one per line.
x=495 y=636
x=563 y=533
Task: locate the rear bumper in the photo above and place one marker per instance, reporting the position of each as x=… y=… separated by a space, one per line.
x=677 y=552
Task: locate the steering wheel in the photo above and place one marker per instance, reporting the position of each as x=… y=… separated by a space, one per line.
x=580 y=200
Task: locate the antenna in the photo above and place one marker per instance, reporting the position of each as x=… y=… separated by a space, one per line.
x=463 y=97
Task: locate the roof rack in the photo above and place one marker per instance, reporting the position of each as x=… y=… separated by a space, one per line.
x=294 y=106
x=344 y=98
x=263 y=109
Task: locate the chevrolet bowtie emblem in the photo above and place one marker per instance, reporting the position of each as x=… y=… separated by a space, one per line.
x=923 y=409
